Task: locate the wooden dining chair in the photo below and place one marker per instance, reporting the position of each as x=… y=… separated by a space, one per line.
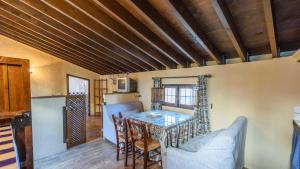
x=122 y=136
x=142 y=143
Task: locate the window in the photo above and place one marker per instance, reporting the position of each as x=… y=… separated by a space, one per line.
x=170 y=95
x=182 y=96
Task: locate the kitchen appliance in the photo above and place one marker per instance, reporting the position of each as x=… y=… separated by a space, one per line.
x=126 y=84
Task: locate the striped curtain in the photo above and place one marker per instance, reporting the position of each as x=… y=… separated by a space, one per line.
x=201 y=113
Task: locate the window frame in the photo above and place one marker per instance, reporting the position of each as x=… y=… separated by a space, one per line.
x=177 y=95
x=167 y=103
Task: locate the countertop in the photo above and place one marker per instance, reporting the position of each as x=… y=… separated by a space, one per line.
x=121 y=93
x=45 y=97
x=11 y=115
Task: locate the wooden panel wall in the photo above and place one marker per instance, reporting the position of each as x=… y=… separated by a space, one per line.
x=4 y=101
x=14 y=85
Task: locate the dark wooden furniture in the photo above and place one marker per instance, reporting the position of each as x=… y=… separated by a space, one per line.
x=15 y=101
x=142 y=142
x=122 y=136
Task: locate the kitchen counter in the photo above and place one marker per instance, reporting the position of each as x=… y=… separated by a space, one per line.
x=114 y=98
x=121 y=93
x=45 y=97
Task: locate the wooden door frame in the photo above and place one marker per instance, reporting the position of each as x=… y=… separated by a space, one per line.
x=89 y=87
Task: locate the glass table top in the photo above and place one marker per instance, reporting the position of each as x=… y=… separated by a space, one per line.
x=161 y=118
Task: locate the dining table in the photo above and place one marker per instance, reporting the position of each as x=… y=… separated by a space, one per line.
x=163 y=124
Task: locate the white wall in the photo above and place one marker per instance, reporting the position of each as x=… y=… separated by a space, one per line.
x=47 y=126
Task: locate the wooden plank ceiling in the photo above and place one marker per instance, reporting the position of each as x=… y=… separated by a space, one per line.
x=118 y=36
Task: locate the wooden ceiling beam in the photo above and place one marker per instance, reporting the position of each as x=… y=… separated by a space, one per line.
x=58 y=40
x=73 y=36
x=35 y=40
x=225 y=18
x=106 y=22
x=25 y=41
x=118 y=13
x=153 y=21
x=182 y=13
x=41 y=38
x=84 y=23
x=95 y=48
x=271 y=29
x=15 y=15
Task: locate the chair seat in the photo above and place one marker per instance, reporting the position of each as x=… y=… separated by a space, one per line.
x=151 y=143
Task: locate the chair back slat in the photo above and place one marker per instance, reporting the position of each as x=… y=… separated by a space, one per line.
x=138 y=132
x=120 y=125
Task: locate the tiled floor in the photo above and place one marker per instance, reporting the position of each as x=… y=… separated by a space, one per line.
x=93 y=126
x=96 y=154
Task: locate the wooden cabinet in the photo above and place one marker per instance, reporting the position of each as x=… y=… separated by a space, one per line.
x=14 y=85
x=15 y=97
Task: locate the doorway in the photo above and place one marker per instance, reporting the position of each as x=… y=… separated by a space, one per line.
x=79 y=85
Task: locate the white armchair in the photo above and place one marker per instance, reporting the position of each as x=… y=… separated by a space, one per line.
x=225 y=150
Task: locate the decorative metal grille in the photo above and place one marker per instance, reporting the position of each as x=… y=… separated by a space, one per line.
x=157 y=94
x=76 y=119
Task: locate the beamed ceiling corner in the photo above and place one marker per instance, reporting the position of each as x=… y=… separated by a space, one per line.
x=119 y=36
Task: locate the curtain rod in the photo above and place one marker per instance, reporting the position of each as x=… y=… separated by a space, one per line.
x=177 y=77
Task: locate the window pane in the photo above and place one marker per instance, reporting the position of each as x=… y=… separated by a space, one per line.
x=182 y=100
x=173 y=99
x=188 y=92
x=170 y=95
x=182 y=91
x=173 y=92
x=188 y=101
x=186 y=95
